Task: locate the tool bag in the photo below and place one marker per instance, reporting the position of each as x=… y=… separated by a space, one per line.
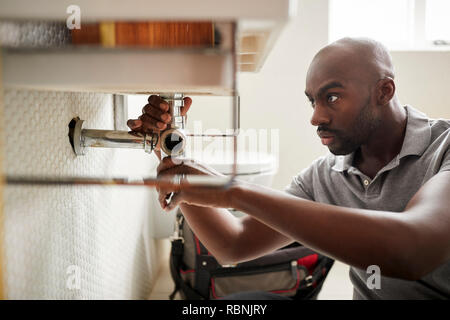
x=293 y=271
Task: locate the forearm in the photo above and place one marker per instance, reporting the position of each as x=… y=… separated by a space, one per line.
x=230 y=239
x=355 y=236
x=216 y=228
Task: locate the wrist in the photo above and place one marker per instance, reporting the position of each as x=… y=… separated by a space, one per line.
x=235 y=192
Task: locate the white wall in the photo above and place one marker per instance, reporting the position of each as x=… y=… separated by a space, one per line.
x=274 y=97
x=423 y=80
x=103 y=231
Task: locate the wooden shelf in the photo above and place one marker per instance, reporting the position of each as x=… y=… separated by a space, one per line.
x=134 y=10
x=259 y=23
x=116 y=71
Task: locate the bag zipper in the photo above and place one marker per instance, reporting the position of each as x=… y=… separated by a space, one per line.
x=293 y=266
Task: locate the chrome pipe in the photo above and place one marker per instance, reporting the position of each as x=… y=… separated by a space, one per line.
x=90 y=138
x=173 y=139
x=114 y=139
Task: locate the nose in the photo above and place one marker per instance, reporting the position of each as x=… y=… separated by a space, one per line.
x=320 y=116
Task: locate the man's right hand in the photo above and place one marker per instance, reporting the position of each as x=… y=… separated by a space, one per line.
x=155 y=116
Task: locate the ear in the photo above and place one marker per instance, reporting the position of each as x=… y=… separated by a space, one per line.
x=385 y=90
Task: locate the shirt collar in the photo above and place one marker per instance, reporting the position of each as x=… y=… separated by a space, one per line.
x=418 y=133
x=417 y=139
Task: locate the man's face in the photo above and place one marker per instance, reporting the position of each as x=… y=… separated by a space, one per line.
x=343 y=110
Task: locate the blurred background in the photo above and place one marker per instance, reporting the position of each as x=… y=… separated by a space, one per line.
x=74 y=242
x=274 y=98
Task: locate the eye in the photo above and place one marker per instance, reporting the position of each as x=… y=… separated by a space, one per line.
x=332 y=98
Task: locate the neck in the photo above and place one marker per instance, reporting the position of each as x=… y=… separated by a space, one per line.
x=385 y=142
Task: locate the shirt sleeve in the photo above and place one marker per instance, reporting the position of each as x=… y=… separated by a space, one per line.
x=445 y=164
x=301 y=184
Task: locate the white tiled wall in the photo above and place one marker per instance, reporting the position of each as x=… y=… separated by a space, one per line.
x=73 y=242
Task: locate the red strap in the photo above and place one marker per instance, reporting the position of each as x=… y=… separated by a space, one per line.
x=197 y=244
x=309 y=262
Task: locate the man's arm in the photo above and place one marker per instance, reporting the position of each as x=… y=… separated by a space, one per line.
x=231 y=239
x=222 y=233
x=404 y=245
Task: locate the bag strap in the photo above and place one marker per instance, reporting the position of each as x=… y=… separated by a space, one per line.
x=176 y=256
x=315 y=280
x=176 y=259
x=279 y=256
x=320 y=271
x=204 y=265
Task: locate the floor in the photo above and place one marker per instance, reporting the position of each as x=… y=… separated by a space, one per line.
x=336 y=287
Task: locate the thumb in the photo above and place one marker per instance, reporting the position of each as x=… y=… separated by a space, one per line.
x=187 y=105
x=177 y=198
x=134 y=123
x=165 y=164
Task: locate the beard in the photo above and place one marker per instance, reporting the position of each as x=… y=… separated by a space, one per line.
x=361 y=129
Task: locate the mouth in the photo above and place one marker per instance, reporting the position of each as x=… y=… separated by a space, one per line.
x=326 y=138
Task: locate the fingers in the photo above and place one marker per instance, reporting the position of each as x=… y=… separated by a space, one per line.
x=187 y=105
x=155 y=115
x=162 y=196
x=169 y=200
x=176 y=199
x=157 y=102
x=162 y=105
x=134 y=124
x=151 y=124
x=166 y=164
x=168 y=196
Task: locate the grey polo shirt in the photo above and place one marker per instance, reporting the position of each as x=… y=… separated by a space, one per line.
x=333 y=180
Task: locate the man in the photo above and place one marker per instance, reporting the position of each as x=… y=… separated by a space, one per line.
x=382 y=197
